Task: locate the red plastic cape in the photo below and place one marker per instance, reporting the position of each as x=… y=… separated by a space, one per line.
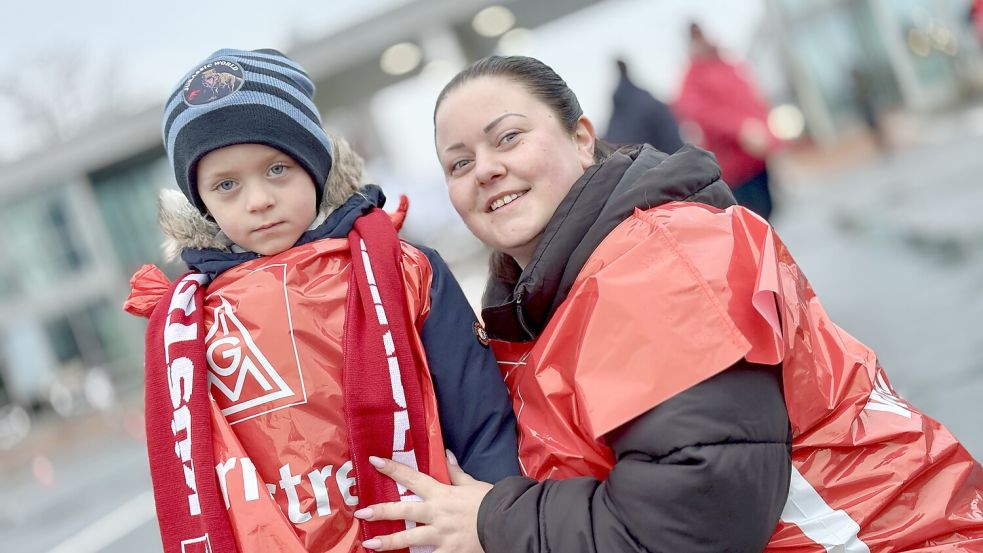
x=273 y=339
x=870 y=472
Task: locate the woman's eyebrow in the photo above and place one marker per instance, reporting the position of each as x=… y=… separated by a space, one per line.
x=491 y=125
x=485 y=130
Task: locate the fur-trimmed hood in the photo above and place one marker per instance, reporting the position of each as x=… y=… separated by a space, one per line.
x=185 y=227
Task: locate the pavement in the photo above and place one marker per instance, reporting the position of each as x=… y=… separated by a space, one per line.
x=891 y=241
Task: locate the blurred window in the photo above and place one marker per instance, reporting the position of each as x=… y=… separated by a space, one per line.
x=931 y=40
x=39 y=242
x=833 y=38
x=89 y=335
x=797 y=7
x=127 y=197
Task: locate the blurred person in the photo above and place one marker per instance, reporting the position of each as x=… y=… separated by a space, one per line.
x=638 y=117
x=677 y=384
x=306 y=337
x=719 y=101
x=976 y=18
x=866 y=102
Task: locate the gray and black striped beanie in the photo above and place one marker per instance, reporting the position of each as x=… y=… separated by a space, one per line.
x=244 y=97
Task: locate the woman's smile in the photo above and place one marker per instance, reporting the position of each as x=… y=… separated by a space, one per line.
x=505 y=200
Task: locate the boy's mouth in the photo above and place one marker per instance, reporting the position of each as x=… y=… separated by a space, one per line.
x=266 y=226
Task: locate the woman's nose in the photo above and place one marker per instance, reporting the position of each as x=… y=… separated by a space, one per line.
x=488 y=169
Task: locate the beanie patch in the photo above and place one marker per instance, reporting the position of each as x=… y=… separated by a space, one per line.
x=213 y=81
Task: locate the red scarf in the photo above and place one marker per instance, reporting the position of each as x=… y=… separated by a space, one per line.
x=383 y=401
x=383 y=398
x=190 y=507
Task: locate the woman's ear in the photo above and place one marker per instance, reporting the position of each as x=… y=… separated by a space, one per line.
x=584 y=138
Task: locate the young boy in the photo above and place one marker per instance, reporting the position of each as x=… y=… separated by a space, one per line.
x=306 y=337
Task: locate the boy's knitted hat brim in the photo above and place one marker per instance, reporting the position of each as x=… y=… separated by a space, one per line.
x=244 y=97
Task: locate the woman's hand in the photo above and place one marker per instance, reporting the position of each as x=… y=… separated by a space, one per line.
x=449 y=513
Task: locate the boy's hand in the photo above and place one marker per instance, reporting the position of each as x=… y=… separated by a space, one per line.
x=449 y=513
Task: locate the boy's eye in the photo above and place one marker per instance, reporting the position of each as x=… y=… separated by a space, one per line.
x=226 y=185
x=278 y=169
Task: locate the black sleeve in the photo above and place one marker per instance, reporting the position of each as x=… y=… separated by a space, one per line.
x=476 y=417
x=707 y=470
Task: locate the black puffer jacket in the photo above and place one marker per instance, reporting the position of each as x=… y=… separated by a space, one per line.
x=708 y=469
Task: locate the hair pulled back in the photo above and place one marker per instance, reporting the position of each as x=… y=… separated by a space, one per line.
x=535 y=76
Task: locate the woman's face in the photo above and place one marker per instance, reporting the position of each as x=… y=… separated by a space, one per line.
x=508 y=161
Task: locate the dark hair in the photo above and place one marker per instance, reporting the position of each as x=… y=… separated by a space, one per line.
x=537 y=77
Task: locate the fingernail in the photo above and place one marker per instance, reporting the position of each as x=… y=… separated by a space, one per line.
x=364 y=513
x=376 y=461
x=450 y=457
x=374 y=543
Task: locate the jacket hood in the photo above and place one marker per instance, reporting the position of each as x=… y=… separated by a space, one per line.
x=185 y=228
x=519 y=302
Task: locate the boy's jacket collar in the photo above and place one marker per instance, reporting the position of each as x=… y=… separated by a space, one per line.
x=214 y=261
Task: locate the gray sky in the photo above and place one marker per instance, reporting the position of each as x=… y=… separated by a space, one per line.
x=145 y=46
x=137 y=50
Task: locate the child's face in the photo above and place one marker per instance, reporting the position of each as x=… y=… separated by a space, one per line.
x=260 y=197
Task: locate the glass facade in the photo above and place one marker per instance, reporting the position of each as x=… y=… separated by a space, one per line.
x=930 y=40
x=60 y=293
x=39 y=241
x=127 y=199
x=857 y=59
x=838 y=45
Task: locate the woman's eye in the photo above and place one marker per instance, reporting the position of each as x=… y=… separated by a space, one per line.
x=278 y=169
x=458 y=165
x=509 y=137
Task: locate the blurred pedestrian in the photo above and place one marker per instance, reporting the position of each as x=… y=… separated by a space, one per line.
x=638 y=117
x=976 y=18
x=865 y=99
x=718 y=101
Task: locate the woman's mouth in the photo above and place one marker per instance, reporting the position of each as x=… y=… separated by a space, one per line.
x=505 y=200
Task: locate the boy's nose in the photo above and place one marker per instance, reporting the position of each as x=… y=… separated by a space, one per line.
x=259 y=198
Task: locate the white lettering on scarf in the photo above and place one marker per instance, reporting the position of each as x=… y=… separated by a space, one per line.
x=401 y=419
x=179 y=379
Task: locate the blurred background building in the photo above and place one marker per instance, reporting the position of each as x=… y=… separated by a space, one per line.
x=78 y=210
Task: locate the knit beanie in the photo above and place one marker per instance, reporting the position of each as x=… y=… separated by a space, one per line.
x=244 y=97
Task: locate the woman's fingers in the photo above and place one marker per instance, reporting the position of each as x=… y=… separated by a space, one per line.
x=448 y=512
x=421 y=484
x=415 y=511
x=457 y=474
x=421 y=535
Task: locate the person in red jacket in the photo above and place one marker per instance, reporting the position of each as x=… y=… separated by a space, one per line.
x=719 y=101
x=677 y=384
x=976 y=18
x=306 y=336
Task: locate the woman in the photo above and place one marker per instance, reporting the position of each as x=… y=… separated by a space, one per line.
x=663 y=351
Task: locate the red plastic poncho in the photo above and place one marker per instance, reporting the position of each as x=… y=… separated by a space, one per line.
x=870 y=472
x=274 y=330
